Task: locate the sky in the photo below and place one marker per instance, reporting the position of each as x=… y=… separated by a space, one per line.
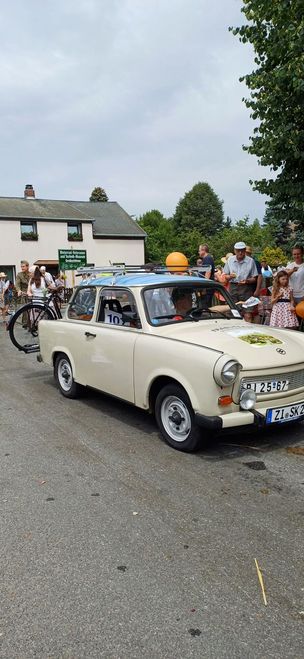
x=140 y=97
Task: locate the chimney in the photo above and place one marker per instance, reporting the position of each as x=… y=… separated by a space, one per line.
x=29 y=192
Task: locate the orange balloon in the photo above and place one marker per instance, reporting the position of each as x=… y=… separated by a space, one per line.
x=177 y=262
x=300 y=309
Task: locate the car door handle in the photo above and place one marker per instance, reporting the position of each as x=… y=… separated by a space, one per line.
x=90 y=334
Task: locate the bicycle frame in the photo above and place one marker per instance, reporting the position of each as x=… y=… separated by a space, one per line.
x=53 y=298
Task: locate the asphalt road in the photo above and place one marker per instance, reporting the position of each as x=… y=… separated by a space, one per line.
x=115 y=546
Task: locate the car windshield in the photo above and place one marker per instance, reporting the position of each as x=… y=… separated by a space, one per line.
x=188 y=303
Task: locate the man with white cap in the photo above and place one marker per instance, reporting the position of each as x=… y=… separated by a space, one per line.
x=47 y=276
x=241 y=272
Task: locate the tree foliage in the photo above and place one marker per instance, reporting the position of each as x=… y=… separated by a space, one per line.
x=188 y=242
x=191 y=226
x=99 y=194
x=160 y=235
x=281 y=230
x=199 y=209
x=276 y=31
x=163 y=239
x=274 y=256
x=253 y=234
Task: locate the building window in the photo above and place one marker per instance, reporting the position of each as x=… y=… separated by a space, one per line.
x=74 y=231
x=28 y=230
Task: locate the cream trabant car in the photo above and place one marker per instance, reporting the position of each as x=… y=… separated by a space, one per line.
x=177 y=346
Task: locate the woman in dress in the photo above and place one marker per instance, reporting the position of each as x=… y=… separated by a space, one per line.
x=283 y=306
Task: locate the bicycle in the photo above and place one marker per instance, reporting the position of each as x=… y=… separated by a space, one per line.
x=23 y=325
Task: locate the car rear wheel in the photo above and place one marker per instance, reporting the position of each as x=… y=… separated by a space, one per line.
x=175 y=418
x=64 y=376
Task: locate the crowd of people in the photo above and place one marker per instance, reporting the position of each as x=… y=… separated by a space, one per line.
x=257 y=288
x=32 y=282
x=263 y=294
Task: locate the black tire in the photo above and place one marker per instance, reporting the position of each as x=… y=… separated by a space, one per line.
x=23 y=326
x=180 y=432
x=64 y=377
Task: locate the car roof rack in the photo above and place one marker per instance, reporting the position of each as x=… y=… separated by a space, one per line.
x=148 y=268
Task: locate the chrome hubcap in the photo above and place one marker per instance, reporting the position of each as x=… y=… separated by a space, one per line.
x=65 y=375
x=175 y=418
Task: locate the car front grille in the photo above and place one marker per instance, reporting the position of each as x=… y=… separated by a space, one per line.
x=296 y=380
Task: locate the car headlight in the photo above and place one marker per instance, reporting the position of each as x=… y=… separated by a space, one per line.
x=247 y=399
x=226 y=370
x=230 y=371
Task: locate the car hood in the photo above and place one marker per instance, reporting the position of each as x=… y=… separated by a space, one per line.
x=256 y=347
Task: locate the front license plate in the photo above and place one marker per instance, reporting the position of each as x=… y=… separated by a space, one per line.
x=287 y=413
x=261 y=387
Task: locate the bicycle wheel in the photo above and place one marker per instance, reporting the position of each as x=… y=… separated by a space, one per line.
x=23 y=326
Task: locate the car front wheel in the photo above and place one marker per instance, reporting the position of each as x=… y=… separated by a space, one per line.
x=64 y=377
x=175 y=418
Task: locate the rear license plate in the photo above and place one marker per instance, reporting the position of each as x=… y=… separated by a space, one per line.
x=261 y=387
x=287 y=413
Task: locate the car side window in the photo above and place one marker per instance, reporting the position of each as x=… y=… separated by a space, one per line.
x=82 y=305
x=117 y=307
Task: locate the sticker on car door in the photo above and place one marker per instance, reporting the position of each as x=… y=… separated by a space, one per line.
x=113 y=317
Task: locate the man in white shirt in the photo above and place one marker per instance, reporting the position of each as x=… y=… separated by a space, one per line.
x=241 y=272
x=295 y=270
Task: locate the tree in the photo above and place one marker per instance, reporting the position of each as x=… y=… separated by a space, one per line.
x=253 y=234
x=227 y=223
x=276 y=32
x=99 y=194
x=274 y=256
x=199 y=209
x=188 y=242
x=160 y=235
x=280 y=229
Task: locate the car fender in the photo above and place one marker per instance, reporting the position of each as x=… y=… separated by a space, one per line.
x=63 y=349
x=179 y=379
x=189 y=365
x=52 y=340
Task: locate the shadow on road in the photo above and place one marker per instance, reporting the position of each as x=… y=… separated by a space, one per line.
x=113 y=407
x=254 y=442
x=213 y=448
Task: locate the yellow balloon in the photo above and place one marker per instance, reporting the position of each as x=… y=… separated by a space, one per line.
x=177 y=262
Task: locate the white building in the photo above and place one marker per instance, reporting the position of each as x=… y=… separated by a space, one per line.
x=35 y=229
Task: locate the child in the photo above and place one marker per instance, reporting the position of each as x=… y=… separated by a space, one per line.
x=221 y=278
x=283 y=306
x=251 y=310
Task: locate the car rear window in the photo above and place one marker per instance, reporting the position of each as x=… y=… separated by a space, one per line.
x=82 y=304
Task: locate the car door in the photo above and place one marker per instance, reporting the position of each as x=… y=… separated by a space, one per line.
x=109 y=344
x=72 y=331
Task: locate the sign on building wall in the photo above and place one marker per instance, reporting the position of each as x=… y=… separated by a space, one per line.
x=71 y=259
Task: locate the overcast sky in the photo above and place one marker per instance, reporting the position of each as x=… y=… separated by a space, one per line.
x=139 y=96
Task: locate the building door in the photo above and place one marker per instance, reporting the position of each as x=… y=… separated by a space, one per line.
x=9 y=271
